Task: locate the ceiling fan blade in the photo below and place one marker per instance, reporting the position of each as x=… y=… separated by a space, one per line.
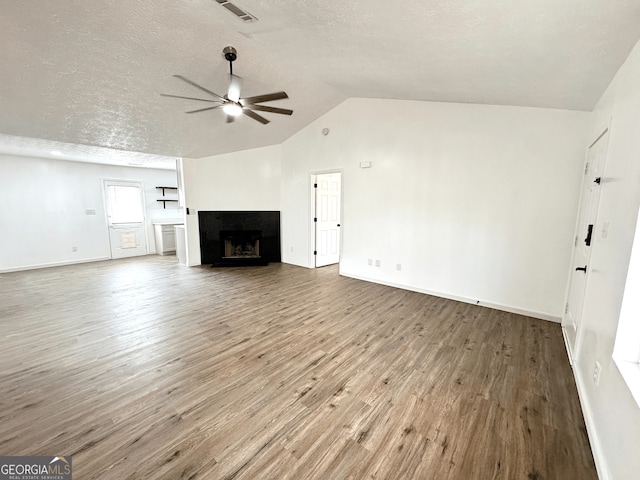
x=188 y=98
x=190 y=82
x=204 y=109
x=235 y=82
x=267 y=97
x=255 y=116
x=265 y=108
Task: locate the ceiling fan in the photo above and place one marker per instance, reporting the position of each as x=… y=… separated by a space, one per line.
x=231 y=103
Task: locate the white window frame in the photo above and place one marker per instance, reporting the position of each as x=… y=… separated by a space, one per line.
x=626 y=351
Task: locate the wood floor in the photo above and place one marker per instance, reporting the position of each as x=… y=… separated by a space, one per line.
x=144 y=369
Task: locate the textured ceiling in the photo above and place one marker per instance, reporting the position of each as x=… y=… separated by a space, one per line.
x=90 y=72
x=37 y=147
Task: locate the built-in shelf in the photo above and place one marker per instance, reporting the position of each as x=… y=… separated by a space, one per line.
x=165 y=200
x=167 y=188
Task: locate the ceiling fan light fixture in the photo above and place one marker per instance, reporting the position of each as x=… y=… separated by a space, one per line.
x=232 y=104
x=232 y=108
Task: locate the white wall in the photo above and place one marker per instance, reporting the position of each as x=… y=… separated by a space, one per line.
x=612 y=416
x=246 y=180
x=475 y=202
x=43 y=210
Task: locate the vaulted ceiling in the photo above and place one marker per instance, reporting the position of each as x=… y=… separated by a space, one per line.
x=90 y=72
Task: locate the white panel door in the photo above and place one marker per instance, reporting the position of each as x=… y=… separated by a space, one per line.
x=126 y=218
x=585 y=236
x=327 y=218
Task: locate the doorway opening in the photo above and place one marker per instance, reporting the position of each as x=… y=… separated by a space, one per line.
x=327 y=212
x=125 y=207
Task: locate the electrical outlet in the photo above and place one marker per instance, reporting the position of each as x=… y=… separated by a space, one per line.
x=596 y=373
x=377 y=262
x=398 y=266
x=74 y=249
x=370 y=261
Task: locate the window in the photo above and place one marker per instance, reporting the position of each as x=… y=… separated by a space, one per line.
x=125 y=205
x=626 y=352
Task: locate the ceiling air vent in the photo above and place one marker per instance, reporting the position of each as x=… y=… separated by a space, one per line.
x=237 y=11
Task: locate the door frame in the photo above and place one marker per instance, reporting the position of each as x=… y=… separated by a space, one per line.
x=105 y=199
x=573 y=349
x=312 y=211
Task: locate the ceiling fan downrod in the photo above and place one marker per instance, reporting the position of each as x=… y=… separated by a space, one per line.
x=230 y=54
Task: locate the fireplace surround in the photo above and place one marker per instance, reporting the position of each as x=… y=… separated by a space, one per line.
x=239 y=238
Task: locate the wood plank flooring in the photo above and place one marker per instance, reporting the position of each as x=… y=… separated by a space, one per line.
x=145 y=369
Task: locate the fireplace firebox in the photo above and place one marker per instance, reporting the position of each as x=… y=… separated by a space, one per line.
x=240 y=244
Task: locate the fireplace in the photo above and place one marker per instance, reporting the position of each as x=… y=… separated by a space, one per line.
x=239 y=238
x=240 y=244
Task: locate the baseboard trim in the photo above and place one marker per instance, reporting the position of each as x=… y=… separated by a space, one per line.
x=567 y=346
x=594 y=439
x=56 y=264
x=473 y=301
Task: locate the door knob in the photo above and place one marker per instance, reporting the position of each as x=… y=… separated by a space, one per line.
x=582 y=269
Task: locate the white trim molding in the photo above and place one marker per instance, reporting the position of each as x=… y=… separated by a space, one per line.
x=473 y=301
